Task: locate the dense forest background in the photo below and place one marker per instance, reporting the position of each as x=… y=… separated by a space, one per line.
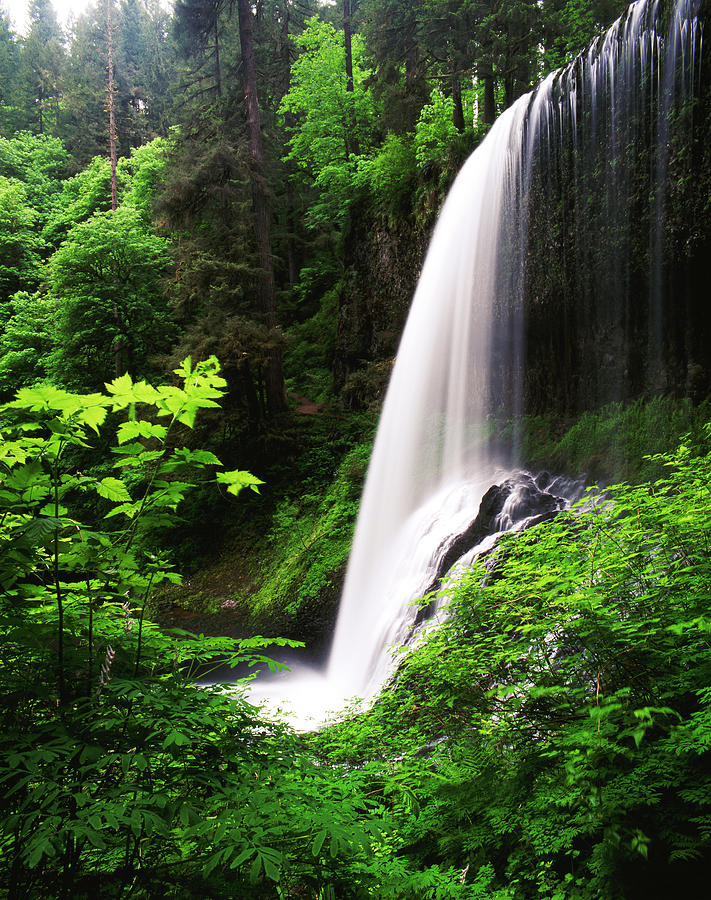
x=278 y=170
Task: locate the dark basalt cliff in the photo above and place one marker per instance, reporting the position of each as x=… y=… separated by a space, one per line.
x=382 y=268
x=618 y=261
x=616 y=266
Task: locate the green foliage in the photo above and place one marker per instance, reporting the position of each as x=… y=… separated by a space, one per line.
x=616 y=441
x=39 y=162
x=334 y=125
x=551 y=740
x=10 y=113
x=434 y=131
x=569 y=27
x=106 y=279
x=139 y=178
x=113 y=766
x=312 y=536
x=27 y=341
x=42 y=62
x=390 y=176
x=19 y=244
x=310 y=346
x=145 y=170
x=83 y=196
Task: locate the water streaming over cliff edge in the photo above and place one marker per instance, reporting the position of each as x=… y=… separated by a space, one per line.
x=460 y=366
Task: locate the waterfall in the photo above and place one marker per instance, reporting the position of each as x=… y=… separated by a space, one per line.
x=458 y=384
x=432 y=459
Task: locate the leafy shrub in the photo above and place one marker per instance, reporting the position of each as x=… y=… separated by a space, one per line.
x=615 y=442
x=106 y=279
x=27 y=341
x=312 y=536
x=115 y=769
x=435 y=130
x=552 y=739
x=390 y=176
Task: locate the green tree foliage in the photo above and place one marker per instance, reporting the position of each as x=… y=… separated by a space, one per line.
x=570 y=25
x=38 y=161
x=391 y=33
x=42 y=64
x=106 y=279
x=144 y=65
x=233 y=267
x=10 y=101
x=83 y=123
x=27 y=342
x=199 y=27
x=331 y=120
x=145 y=171
x=389 y=177
x=139 y=180
x=145 y=68
x=435 y=130
x=19 y=243
x=206 y=202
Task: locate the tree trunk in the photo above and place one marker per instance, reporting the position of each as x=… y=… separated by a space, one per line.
x=486 y=71
x=352 y=143
x=276 y=394
x=110 y=102
x=347 y=40
x=458 y=109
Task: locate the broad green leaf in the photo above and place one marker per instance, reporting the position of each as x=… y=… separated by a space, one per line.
x=113 y=489
x=128 y=431
x=236 y=480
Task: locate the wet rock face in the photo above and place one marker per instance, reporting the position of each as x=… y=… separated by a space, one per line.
x=521 y=499
x=382 y=268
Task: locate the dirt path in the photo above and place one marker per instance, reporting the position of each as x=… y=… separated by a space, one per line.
x=307 y=407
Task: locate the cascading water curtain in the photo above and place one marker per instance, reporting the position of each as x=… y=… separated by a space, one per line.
x=610 y=142
x=548 y=224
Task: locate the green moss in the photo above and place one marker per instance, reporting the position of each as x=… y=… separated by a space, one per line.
x=309 y=543
x=614 y=442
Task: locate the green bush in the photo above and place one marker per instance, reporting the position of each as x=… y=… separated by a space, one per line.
x=553 y=738
x=118 y=775
x=435 y=130
x=615 y=442
x=390 y=177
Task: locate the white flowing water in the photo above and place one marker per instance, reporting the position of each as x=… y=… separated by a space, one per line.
x=432 y=459
x=460 y=363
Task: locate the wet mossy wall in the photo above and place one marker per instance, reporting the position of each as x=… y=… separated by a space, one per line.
x=616 y=269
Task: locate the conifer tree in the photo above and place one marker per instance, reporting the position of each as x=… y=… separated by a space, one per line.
x=43 y=62
x=10 y=103
x=276 y=395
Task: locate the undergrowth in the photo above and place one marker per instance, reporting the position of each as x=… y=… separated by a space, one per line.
x=309 y=542
x=617 y=442
x=553 y=739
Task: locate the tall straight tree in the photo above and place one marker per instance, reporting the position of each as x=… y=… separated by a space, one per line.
x=274 y=380
x=198 y=27
x=11 y=117
x=42 y=67
x=111 y=102
x=349 y=71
